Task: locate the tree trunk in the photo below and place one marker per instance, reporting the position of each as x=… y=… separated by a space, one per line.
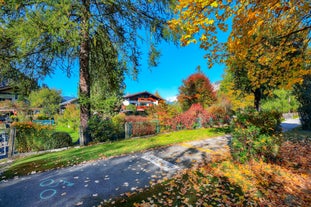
x=257 y=99
x=84 y=79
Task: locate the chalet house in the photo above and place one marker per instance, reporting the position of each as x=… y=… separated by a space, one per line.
x=8 y=93
x=141 y=100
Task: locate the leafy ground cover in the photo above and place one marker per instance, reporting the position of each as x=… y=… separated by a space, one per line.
x=47 y=161
x=285 y=182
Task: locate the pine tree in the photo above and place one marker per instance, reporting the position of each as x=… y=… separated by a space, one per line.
x=44 y=35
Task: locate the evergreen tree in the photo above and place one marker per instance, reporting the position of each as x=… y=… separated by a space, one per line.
x=43 y=35
x=106 y=75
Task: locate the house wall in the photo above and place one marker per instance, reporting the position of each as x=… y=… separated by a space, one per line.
x=7 y=96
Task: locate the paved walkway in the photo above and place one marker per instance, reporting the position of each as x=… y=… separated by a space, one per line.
x=88 y=184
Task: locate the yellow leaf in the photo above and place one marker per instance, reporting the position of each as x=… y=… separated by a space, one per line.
x=214 y=4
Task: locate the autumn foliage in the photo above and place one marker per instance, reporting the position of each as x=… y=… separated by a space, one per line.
x=31 y=136
x=267 y=46
x=194 y=117
x=225 y=183
x=196 y=89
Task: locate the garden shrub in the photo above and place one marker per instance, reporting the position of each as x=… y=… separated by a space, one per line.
x=248 y=143
x=118 y=122
x=31 y=136
x=269 y=122
x=194 y=117
x=100 y=130
x=165 y=114
x=104 y=129
x=256 y=135
x=59 y=140
x=219 y=114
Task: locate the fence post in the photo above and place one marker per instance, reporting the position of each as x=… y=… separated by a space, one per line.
x=128 y=129
x=157 y=127
x=11 y=142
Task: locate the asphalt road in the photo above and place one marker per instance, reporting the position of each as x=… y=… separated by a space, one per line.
x=89 y=183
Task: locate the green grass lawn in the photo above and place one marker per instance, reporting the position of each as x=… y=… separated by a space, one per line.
x=73 y=133
x=47 y=161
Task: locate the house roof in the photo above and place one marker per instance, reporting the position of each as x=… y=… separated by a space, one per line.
x=70 y=101
x=139 y=93
x=6 y=88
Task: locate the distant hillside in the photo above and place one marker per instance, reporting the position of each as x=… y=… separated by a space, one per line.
x=216 y=85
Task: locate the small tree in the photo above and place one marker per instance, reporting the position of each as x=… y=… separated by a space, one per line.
x=196 y=89
x=47 y=99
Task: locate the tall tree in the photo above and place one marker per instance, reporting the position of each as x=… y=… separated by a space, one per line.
x=271 y=62
x=266 y=47
x=46 y=34
x=107 y=75
x=196 y=89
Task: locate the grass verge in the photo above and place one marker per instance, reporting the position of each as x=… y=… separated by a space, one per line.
x=48 y=161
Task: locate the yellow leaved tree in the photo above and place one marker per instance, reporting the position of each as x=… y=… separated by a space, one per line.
x=268 y=44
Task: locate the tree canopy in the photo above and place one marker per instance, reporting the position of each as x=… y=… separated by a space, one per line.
x=41 y=36
x=196 y=89
x=267 y=46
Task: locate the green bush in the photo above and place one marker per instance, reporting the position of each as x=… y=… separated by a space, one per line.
x=118 y=122
x=256 y=135
x=248 y=143
x=59 y=140
x=269 y=122
x=102 y=130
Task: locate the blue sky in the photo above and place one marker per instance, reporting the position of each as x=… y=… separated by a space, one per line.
x=175 y=64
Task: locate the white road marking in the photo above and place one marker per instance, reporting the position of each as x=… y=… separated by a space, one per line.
x=163 y=164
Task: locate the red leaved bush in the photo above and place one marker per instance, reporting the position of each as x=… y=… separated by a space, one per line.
x=195 y=117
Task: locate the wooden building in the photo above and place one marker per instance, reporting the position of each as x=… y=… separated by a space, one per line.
x=141 y=100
